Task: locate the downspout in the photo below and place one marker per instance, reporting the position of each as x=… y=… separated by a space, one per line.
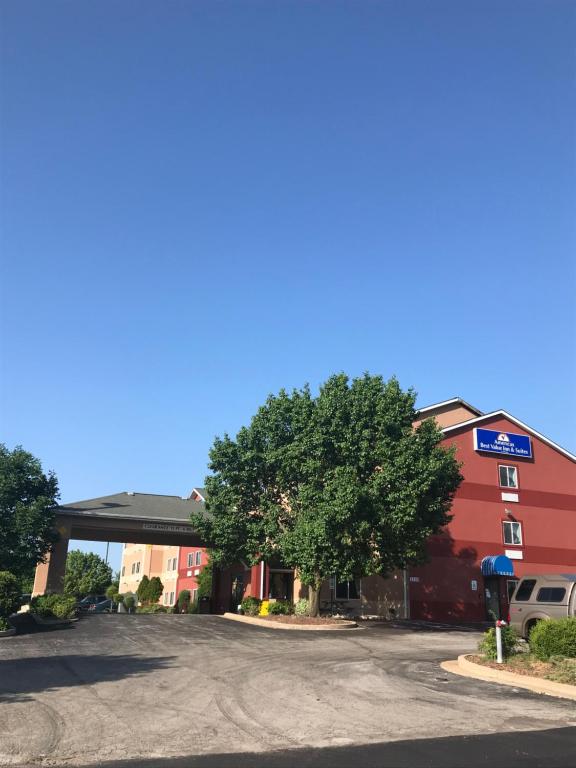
x=406 y=596
x=261 y=579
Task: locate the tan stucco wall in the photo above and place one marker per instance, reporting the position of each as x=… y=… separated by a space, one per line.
x=448 y=415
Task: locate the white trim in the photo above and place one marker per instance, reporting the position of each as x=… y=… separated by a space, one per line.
x=506 y=415
x=197 y=492
x=449 y=402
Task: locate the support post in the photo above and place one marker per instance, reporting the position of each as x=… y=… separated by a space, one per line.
x=49 y=577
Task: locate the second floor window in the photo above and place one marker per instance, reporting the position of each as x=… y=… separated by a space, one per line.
x=512 y=532
x=508 y=476
x=198 y=558
x=190 y=559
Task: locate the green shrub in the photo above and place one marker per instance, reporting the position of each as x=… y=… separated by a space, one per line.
x=487 y=646
x=554 y=637
x=183 y=600
x=4 y=624
x=251 y=606
x=143 y=590
x=280 y=608
x=9 y=593
x=152 y=609
x=193 y=607
x=564 y=670
x=54 y=606
x=155 y=589
x=302 y=607
x=129 y=601
x=119 y=599
x=112 y=593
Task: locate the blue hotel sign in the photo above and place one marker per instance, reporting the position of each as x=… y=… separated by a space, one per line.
x=503 y=443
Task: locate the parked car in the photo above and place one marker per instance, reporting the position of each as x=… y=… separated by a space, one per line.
x=542 y=596
x=90 y=600
x=104 y=606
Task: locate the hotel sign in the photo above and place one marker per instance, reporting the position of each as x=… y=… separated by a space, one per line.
x=167 y=528
x=503 y=443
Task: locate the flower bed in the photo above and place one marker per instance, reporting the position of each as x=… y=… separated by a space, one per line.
x=292 y=619
x=559 y=670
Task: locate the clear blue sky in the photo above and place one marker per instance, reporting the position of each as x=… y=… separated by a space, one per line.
x=203 y=202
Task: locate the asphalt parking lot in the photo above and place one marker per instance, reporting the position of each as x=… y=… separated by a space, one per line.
x=174 y=691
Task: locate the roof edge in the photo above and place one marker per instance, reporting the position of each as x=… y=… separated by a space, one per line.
x=450 y=402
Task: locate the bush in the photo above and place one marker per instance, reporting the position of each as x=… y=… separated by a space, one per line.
x=155 y=589
x=4 y=624
x=193 y=607
x=564 y=670
x=9 y=593
x=112 y=593
x=554 y=637
x=143 y=590
x=183 y=601
x=54 y=606
x=151 y=609
x=302 y=607
x=487 y=646
x=280 y=608
x=251 y=606
x=129 y=601
x=119 y=599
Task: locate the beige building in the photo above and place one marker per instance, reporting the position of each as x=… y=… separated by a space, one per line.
x=150 y=560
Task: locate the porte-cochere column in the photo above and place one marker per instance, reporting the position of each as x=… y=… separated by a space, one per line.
x=49 y=576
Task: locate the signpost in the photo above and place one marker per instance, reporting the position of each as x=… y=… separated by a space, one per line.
x=499 y=657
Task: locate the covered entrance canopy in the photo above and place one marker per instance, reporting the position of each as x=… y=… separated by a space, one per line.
x=137 y=518
x=497 y=565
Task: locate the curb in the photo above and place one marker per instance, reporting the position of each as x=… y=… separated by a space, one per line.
x=462 y=666
x=298 y=627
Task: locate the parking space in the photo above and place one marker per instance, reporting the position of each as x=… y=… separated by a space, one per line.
x=132 y=687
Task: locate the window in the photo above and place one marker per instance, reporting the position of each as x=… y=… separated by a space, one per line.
x=551 y=595
x=346 y=590
x=194 y=595
x=171 y=598
x=133 y=567
x=508 y=476
x=511 y=584
x=123 y=569
x=198 y=557
x=512 y=532
x=190 y=559
x=525 y=589
x=138 y=567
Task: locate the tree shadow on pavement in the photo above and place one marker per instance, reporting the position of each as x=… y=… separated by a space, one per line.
x=553 y=748
x=21 y=677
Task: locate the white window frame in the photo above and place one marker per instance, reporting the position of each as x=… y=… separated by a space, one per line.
x=198 y=557
x=190 y=559
x=194 y=595
x=515 y=471
x=509 y=525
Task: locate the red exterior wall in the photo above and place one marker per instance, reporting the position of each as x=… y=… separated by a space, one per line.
x=186 y=581
x=441 y=589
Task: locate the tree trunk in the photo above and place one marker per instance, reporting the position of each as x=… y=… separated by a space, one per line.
x=314 y=599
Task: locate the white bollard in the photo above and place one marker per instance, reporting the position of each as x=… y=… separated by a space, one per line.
x=499 y=657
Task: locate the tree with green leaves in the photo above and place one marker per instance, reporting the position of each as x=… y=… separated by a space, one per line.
x=144 y=590
x=341 y=483
x=86 y=574
x=204 y=580
x=28 y=498
x=155 y=589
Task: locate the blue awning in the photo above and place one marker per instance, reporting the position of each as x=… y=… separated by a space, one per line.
x=497 y=565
